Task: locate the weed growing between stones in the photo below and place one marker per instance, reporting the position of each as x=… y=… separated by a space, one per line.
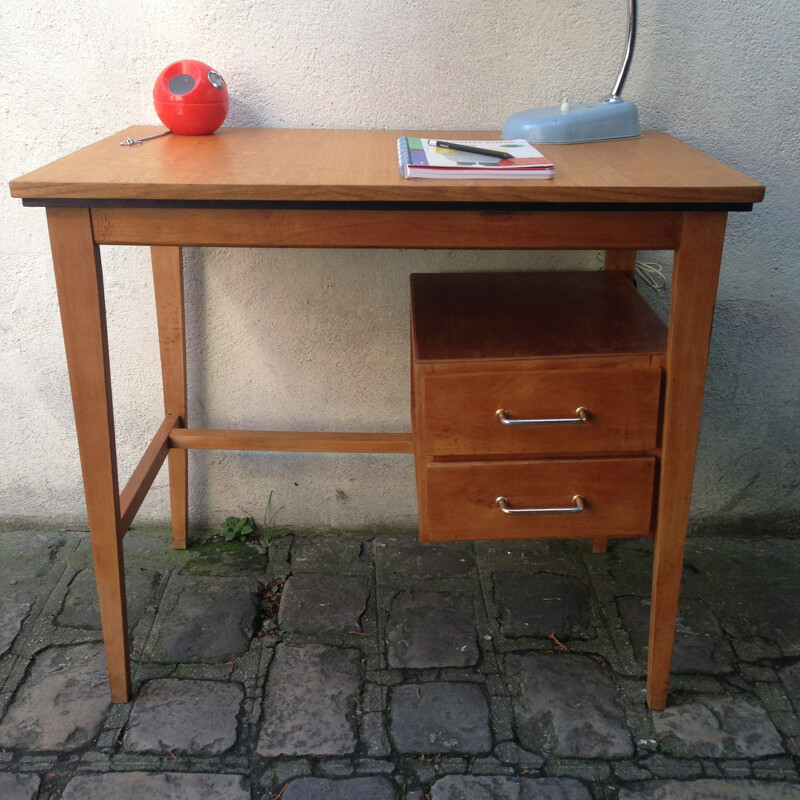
x=238 y=528
x=247 y=530
x=269 y=608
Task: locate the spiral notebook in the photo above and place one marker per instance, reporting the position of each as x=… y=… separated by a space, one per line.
x=423 y=158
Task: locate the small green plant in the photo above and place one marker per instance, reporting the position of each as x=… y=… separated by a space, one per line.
x=238 y=529
x=271 y=598
x=270 y=530
x=246 y=529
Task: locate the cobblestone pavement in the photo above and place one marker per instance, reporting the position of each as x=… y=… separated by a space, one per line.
x=373 y=667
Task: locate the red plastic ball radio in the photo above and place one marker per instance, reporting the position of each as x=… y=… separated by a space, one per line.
x=191 y=98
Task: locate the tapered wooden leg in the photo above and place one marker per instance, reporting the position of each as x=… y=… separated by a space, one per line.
x=168 y=284
x=79 y=281
x=621 y=260
x=694 y=288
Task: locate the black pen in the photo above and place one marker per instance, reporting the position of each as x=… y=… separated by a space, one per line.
x=468 y=148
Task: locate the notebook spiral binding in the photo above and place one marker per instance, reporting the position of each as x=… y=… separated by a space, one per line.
x=403 y=154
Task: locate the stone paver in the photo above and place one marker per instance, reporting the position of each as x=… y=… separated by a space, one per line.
x=713 y=790
x=530 y=555
x=230 y=560
x=566 y=705
x=541 y=605
x=370 y=788
x=30 y=563
x=373 y=734
x=512 y=753
x=309 y=702
x=436 y=689
x=62 y=702
x=18 y=787
x=30 y=567
x=213 y=620
x=321 y=603
x=440 y=718
x=80 y=606
x=468 y=787
x=196 y=717
x=431 y=629
x=425 y=561
x=757 y=595
x=699 y=644
x=717 y=727
x=163 y=786
x=317 y=552
x=12 y=615
x=790 y=677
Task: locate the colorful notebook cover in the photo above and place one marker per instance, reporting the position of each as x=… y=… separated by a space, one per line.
x=422 y=158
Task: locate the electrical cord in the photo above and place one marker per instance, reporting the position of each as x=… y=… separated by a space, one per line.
x=649 y=272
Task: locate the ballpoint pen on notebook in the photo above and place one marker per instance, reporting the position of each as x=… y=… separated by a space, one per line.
x=468 y=148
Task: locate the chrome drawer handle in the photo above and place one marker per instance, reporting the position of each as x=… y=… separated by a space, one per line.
x=505 y=507
x=581 y=415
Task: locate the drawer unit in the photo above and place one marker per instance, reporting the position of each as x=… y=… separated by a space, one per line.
x=535 y=405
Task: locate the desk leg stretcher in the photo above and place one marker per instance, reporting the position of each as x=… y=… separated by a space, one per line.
x=141 y=480
x=290 y=441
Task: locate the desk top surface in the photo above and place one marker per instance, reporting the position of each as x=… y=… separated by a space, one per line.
x=274 y=165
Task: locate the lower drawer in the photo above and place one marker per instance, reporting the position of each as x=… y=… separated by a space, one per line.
x=459 y=500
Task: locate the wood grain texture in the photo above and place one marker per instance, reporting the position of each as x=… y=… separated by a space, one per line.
x=623 y=406
x=399 y=228
x=622 y=260
x=138 y=485
x=170 y=313
x=249 y=164
x=694 y=285
x=418 y=413
x=79 y=281
x=461 y=498
x=290 y=442
x=496 y=316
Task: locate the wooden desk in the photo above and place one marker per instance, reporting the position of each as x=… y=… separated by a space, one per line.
x=257 y=188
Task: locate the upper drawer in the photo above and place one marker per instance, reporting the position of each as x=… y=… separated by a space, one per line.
x=459 y=413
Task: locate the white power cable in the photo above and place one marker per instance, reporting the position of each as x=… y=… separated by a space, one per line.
x=650 y=272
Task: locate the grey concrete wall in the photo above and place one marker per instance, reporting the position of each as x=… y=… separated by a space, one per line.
x=321 y=337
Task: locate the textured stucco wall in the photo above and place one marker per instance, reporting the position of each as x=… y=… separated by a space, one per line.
x=322 y=336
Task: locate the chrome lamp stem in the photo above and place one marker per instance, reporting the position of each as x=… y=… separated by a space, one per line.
x=630 y=44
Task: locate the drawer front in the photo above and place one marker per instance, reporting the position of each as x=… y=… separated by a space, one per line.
x=461 y=498
x=460 y=411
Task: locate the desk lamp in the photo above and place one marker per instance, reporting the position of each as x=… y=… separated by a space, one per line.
x=612 y=118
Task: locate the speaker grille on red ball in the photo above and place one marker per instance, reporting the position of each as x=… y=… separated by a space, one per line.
x=181 y=84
